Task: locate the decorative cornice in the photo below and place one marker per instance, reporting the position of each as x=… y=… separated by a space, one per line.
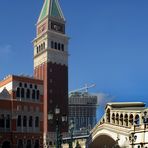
x=53 y=56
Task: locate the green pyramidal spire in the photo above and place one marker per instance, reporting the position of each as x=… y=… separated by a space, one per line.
x=51 y=8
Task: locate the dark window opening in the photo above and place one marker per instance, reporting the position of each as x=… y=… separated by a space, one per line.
x=25 y=85
x=19 y=123
x=55 y=45
x=30 y=85
x=36 y=145
x=50 y=142
x=38 y=95
x=28 y=144
x=2 y=121
x=37 y=122
x=20 y=84
x=20 y=144
x=59 y=46
x=18 y=92
x=22 y=93
x=35 y=86
x=52 y=44
x=6 y=144
x=62 y=46
x=33 y=94
x=8 y=121
x=37 y=50
x=28 y=94
x=30 y=121
x=25 y=121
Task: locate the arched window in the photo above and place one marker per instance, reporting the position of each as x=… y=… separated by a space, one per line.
x=20 y=84
x=2 y=121
x=59 y=46
x=52 y=44
x=6 y=144
x=28 y=94
x=62 y=46
x=25 y=121
x=36 y=145
x=30 y=121
x=126 y=120
x=19 y=121
x=28 y=144
x=117 y=118
x=30 y=85
x=35 y=86
x=8 y=121
x=121 y=119
x=37 y=49
x=55 y=45
x=37 y=94
x=50 y=142
x=36 y=121
x=22 y=93
x=20 y=144
x=137 y=120
x=113 y=118
x=33 y=94
x=18 y=92
x=108 y=115
x=25 y=85
x=131 y=120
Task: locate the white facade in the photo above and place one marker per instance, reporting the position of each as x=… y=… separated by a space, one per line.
x=125 y=123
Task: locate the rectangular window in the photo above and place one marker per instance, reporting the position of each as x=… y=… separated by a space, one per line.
x=19 y=122
x=2 y=121
x=30 y=121
x=37 y=122
x=8 y=121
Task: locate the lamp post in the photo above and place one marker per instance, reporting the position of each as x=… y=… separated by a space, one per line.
x=144 y=117
x=132 y=139
x=71 y=129
x=116 y=143
x=54 y=116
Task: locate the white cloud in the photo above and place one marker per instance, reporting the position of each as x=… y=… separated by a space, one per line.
x=104 y=98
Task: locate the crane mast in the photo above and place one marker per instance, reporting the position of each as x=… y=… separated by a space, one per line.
x=85 y=88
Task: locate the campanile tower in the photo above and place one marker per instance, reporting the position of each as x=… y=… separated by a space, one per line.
x=51 y=63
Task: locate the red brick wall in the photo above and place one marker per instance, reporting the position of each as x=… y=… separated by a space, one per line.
x=59 y=88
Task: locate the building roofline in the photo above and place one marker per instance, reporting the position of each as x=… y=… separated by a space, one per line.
x=125 y=104
x=23 y=78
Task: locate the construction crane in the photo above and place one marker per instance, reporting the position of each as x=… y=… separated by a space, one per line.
x=85 y=88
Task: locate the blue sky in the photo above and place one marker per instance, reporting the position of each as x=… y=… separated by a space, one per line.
x=108 y=44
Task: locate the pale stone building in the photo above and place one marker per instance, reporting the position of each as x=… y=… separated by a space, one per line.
x=124 y=124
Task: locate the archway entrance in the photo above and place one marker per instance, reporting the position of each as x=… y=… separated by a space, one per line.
x=104 y=141
x=6 y=144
